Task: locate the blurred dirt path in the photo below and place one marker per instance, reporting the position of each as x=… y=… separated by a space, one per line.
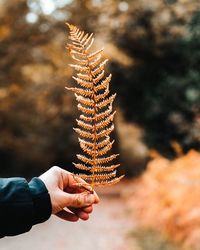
x=106 y=229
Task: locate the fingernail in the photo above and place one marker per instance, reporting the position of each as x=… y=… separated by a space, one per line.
x=89 y=198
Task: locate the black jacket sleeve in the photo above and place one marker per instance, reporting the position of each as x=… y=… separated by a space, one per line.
x=22 y=205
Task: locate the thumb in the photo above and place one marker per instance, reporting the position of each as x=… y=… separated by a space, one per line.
x=78 y=200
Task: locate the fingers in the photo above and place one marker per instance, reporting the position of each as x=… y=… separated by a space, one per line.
x=79 y=200
x=88 y=209
x=89 y=189
x=71 y=183
x=67 y=216
x=82 y=213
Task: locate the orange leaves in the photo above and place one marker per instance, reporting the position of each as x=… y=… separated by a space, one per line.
x=169 y=191
x=96 y=119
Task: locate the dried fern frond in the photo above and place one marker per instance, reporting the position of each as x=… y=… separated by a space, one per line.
x=95 y=103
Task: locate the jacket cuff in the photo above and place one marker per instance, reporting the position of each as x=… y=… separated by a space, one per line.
x=41 y=200
x=16 y=206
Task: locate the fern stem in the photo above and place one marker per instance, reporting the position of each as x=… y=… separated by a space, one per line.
x=95 y=129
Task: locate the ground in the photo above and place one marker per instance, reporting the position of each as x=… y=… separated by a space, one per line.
x=107 y=229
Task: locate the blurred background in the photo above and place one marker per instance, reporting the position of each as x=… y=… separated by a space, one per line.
x=154 y=55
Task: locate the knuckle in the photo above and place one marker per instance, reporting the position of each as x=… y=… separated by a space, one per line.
x=55 y=168
x=78 y=200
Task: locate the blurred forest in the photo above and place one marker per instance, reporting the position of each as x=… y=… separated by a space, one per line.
x=154 y=52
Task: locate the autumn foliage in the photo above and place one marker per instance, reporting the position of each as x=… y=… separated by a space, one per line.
x=167 y=198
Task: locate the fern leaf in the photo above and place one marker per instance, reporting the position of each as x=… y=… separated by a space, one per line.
x=103 y=142
x=93 y=64
x=101 y=168
x=99 y=77
x=104 y=84
x=79 y=54
x=80 y=35
x=97 y=145
x=89 y=45
x=85 y=159
x=103 y=114
x=84 y=133
x=110 y=182
x=80 y=91
x=93 y=55
x=106 y=121
x=85 y=77
x=106 y=159
x=84 y=125
x=86 y=118
x=80 y=61
x=105 y=102
x=98 y=177
x=76 y=44
x=89 y=111
x=75 y=47
x=86 y=143
x=87 y=150
x=79 y=67
x=84 y=38
x=105 y=149
x=84 y=100
x=85 y=44
x=83 y=83
x=99 y=68
x=81 y=166
x=96 y=115
x=92 y=152
x=105 y=132
x=102 y=96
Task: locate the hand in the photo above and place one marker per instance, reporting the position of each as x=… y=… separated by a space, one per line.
x=64 y=193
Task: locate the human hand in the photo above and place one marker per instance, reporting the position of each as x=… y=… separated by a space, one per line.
x=64 y=193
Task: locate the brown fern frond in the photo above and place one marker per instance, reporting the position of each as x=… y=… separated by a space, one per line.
x=84 y=125
x=99 y=97
x=84 y=133
x=104 y=114
x=100 y=152
x=101 y=168
x=85 y=101
x=83 y=83
x=98 y=144
x=86 y=110
x=105 y=132
x=110 y=182
x=98 y=177
x=94 y=54
x=95 y=123
x=93 y=64
x=80 y=61
x=105 y=102
x=106 y=121
x=98 y=77
x=100 y=68
x=79 y=67
x=82 y=166
x=87 y=118
x=104 y=84
x=80 y=91
x=85 y=77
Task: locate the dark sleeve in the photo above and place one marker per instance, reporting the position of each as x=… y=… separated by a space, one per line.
x=22 y=205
